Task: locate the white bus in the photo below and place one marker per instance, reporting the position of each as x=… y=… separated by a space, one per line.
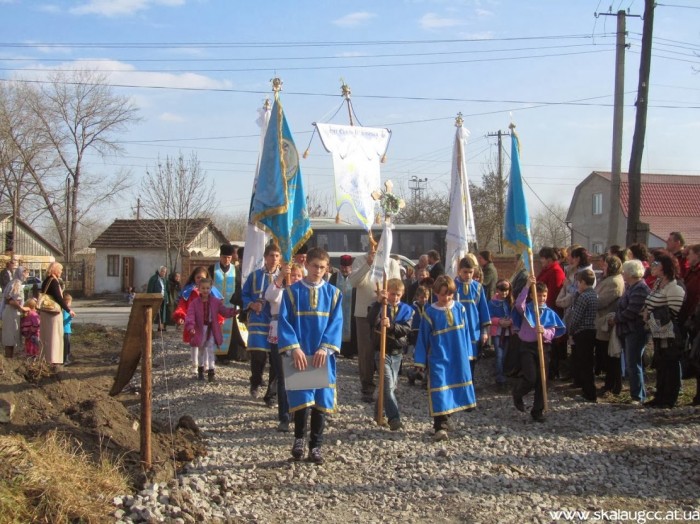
x=409 y=240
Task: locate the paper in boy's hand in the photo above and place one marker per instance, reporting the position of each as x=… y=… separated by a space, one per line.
x=310 y=378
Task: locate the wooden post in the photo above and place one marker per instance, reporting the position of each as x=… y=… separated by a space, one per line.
x=382 y=357
x=146 y=392
x=540 y=345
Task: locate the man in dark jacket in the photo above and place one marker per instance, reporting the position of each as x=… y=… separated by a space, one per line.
x=489 y=273
x=159 y=284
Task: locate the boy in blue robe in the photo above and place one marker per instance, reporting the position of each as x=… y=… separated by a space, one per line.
x=420 y=301
x=397 y=321
x=471 y=295
x=310 y=332
x=443 y=345
x=259 y=317
x=551 y=327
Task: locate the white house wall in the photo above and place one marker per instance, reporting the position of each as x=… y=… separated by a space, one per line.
x=146 y=263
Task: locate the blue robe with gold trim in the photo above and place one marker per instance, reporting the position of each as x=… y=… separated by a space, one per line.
x=226 y=283
x=311 y=317
x=472 y=296
x=258 y=324
x=444 y=346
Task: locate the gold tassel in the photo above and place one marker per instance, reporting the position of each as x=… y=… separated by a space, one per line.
x=383 y=160
x=337 y=217
x=306 y=153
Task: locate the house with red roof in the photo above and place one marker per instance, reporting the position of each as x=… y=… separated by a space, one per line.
x=668 y=203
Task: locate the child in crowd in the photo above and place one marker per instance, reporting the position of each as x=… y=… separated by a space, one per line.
x=202 y=323
x=130 y=295
x=288 y=275
x=310 y=331
x=421 y=298
x=500 y=308
x=67 y=330
x=551 y=326
x=30 y=326
x=444 y=346
x=582 y=328
x=470 y=293
x=190 y=292
x=397 y=322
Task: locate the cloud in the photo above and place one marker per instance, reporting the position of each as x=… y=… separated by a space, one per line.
x=483 y=13
x=481 y=35
x=434 y=21
x=354 y=19
x=121 y=73
x=47 y=8
x=120 y=7
x=171 y=117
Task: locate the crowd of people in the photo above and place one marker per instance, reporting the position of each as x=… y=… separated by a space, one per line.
x=591 y=318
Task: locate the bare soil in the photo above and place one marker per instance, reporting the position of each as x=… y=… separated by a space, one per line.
x=75 y=402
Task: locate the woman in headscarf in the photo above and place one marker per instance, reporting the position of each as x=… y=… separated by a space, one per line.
x=51 y=331
x=174 y=289
x=12 y=308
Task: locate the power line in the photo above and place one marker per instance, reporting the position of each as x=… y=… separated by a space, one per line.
x=279 y=68
x=678 y=6
x=289 y=44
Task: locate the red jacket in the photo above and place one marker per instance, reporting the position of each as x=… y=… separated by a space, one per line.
x=180 y=313
x=553 y=276
x=195 y=320
x=692 y=293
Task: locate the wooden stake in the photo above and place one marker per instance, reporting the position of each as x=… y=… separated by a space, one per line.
x=382 y=357
x=146 y=392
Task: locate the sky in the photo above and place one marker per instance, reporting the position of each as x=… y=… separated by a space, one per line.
x=198 y=70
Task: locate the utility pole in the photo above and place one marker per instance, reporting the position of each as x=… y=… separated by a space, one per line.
x=635 y=230
x=417 y=185
x=499 y=187
x=67 y=254
x=619 y=100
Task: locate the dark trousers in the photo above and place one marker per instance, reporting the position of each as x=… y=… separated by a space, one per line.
x=472 y=367
x=601 y=356
x=365 y=356
x=441 y=422
x=276 y=367
x=258 y=359
x=584 y=341
x=66 y=346
x=668 y=372
x=318 y=421
x=530 y=376
x=613 y=376
x=558 y=355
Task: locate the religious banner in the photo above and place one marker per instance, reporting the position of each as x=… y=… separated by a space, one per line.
x=357 y=152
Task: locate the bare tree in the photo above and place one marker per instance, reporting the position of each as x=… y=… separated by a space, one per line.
x=61 y=121
x=176 y=193
x=549 y=227
x=233 y=225
x=319 y=205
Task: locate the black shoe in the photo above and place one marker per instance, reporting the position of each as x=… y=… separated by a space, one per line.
x=315 y=456
x=210 y=375
x=696 y=402
x=518 y=403
x=298 y=449
x=283 y=427
x=583 y=398
x=537 y=416
x=269 y=402
x=254 y=392
x=200 y=373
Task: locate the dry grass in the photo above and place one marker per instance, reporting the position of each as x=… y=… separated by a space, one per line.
x=48 y=480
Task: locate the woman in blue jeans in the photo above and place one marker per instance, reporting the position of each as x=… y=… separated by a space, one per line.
x=630 y=326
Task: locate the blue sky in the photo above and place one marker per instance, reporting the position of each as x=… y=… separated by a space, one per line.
x=484 y=58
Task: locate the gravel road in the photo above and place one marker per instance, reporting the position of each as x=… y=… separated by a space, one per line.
x=498 y=465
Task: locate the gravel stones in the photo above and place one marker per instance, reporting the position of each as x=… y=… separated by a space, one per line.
x=497 y=466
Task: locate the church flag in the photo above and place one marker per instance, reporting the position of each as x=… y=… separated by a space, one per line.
x=516 y=229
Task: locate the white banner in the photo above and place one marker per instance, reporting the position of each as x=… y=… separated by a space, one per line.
x=383 y=255
x=255 y=238
x=461 y=230
x=357 y=152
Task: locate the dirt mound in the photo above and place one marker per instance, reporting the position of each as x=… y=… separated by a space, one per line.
x=75 y=402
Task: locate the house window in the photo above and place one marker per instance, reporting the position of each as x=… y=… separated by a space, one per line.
x=597 y=248
x=597 y=203
x=112 y=265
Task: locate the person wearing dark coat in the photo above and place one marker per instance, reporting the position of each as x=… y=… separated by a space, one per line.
x=489 y=273
x=436 y=267
x=159 y=284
